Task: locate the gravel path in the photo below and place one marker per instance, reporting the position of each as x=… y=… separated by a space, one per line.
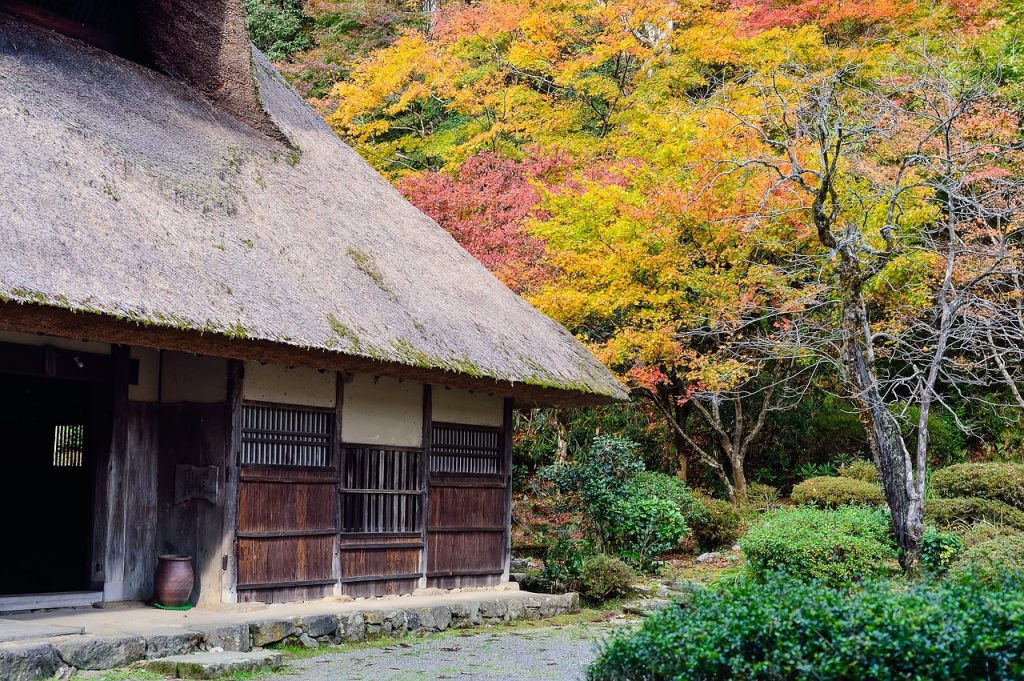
x=498 y=655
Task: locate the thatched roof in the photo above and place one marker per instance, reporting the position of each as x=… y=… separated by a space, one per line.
x=131 y=201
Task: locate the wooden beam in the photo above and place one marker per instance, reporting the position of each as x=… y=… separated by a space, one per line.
x=338 y=454
x=229 y=542
x=428 y=411
x=32 y=318
x=115 y=473
x=507 y=425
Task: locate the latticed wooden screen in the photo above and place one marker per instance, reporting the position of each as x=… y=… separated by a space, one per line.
x=68 y=446
x=275 y=435
x=460 y=449
x=382 y=490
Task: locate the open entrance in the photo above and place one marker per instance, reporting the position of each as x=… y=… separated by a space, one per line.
x=53 y=433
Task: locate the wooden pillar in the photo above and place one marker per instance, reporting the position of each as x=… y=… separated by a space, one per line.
x=233 y=421
x=425 y=480
x=337 y=453
x=507 y=469
x=113 y=499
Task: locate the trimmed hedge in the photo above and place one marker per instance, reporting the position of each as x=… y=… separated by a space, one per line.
x=603 y=577
x=859 y=470
x=997 y=481
x=832 y=546
x=781 y=629
x=719 y=526
x=951 y=513
x=989 y=559
x=829 y=492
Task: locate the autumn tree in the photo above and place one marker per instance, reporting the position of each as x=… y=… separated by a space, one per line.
x=912 y=175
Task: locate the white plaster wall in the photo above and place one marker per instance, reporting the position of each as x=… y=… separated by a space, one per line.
x=451 y=405
x=55 y=342
x=382 y=411
x=193 y=378
x=147 y=389
x=289 y=385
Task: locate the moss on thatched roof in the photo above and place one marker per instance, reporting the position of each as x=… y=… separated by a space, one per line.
x=126 y=194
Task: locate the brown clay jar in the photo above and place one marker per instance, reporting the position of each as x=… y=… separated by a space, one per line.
x=172 y=584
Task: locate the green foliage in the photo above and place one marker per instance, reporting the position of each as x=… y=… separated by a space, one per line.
x=997 y=481
x=782 y=629
x=718 y=526
x=939 y=550
x=762 y=497
x=563 y=562
x=950 y=513
x=278 y=27
x=671 y=489
x=646 y=527
x=603 y=577
x=833 y=546
x=989 y=560
x=946 y=444
x=828 y=492
x=620 y=508
x=983 y=532
x=808 y=470
x=859 y=470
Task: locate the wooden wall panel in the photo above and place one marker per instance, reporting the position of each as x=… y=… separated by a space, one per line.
x=284 y=559
x=140 y=477
x=451 y=553
x=460 y=506
x=279 y=506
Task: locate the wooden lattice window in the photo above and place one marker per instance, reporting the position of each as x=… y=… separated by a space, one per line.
x=277 y=435
x=68 y=446
x=381 y=490
x=460 y=449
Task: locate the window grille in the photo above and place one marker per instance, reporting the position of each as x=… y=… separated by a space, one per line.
x=275 y=435
x=381 y=490
x=68 y=446
x=465 y=449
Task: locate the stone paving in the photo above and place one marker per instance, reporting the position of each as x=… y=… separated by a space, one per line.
x=116 y=638
x=558 y=653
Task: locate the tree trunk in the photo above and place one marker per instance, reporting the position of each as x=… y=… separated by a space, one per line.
x=883 y=432
x=562 y=430
x=679 y=442
x=739 y=482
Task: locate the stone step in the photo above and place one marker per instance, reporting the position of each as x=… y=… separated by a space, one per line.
x=214 y=665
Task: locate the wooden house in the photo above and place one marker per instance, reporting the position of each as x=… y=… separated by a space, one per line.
x=222 y=334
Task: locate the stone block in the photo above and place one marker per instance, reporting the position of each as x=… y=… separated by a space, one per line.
x=215 y=665
x=162 y=645
x=353 y=627
x=320 y=625
x=100 y=652
x=29 y=661
x=271 y=631
x=232 y=637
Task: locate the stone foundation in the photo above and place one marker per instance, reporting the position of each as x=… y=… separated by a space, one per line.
x=43 y=659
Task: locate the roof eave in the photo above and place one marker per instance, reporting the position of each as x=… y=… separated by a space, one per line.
x=56 y=321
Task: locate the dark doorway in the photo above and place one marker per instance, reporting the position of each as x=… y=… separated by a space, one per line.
x=52 y=433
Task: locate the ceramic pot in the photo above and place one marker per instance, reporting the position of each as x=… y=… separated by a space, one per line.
x=172 y=584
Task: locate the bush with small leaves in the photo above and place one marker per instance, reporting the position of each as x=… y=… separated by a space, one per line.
x=990 y=560
x=829 y=492
x=859 y=470
x=939 y=550
x=997 y=481
x=833 y=546
x=668 y=488
x=983 y=532
x=778 y=628
x=719 y=526
x=603 y=577
x=762 y=497
x=959 y=512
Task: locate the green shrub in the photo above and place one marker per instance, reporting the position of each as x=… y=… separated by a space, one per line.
x=991 y=559
x=669 y=488
x=782 y=629
x=985 y=531
x=563 y=562
x=833 y=546
x=859 y=470
x=997 y=481
x=277 y=27
x=762 y=497
x=719 y=526
x=949 y=513
x=828 y=492
x=939 y=550
x=644 y=528
x=603 y=577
